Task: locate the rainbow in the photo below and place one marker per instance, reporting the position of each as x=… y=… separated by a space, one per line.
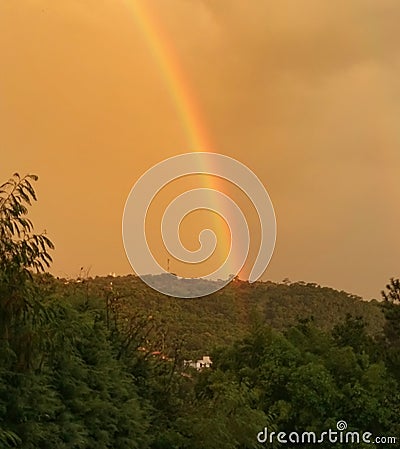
x=167 y=61
x=181 y=94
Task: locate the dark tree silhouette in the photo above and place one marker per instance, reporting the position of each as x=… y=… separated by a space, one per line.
x=393 y=291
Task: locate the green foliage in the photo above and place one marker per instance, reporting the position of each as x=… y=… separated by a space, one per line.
x=20 y=248
x=99 y=365
x=229 y=314
x=21 y=252
x=9 y=439
x=225 y=414
x=309 y=387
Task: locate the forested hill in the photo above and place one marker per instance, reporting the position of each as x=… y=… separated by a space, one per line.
x=226 y=315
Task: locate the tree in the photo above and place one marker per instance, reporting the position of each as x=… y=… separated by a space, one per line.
x=22 y=252
x=353 y=332
x=393 y=291
x=391 y=329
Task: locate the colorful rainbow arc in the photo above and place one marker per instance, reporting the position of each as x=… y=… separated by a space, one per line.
x=193 y=123
x=163 y=54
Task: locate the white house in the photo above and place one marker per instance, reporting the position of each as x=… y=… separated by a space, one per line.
x=205 y=362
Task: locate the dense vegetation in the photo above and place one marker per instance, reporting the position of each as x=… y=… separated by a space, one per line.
x=221 y=318
x=98 y=363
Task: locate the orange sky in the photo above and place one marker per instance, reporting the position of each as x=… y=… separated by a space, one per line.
x=306 y=93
